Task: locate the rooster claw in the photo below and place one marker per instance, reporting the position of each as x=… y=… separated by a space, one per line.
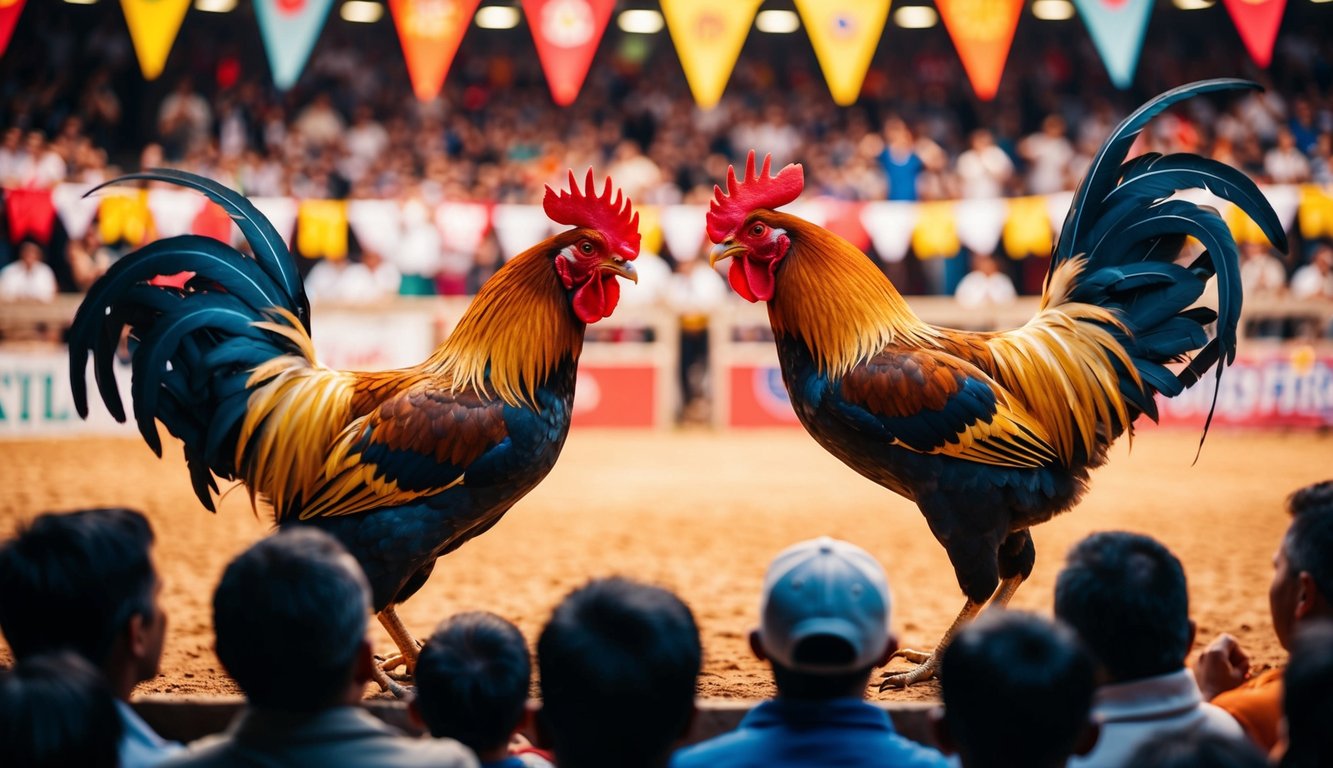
x=928 y=668
x=916 y=657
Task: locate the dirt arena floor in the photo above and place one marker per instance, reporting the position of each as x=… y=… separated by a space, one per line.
x=702 y=513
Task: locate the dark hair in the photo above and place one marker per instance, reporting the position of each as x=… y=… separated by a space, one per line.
x=290 y=614
x=72 y=580
x=1197 y=749
x=1125 y=595
x=1307 y=697
x=618 y=663
x=1007 y=672
x=472 y=680
x=56 y=710
x=1309 y=540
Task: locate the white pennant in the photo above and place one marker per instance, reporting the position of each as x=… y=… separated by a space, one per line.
x=281 y=211
x=684 y=229
x=979 y=223
x=76 y=211
x=519 y=227
x=811 y=210
x=1057 y=208
x=890 y=227
x=377 y=224
x=463 y=225
x=1285 y=199
x=174 y=210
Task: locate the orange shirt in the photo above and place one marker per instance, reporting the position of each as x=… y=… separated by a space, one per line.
x=1257 y=706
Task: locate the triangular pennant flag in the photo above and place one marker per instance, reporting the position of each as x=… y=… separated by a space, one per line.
x=683 y=229
x=567 y=33
x=430 y=31
x=289 y=29
x=462 y=225
x=812 y=211
x=281 y=211
x=1257 y=21
x=1117 y=28
x=76 y=211
x=10 y=10
x=31 y=213
x=377 y=224
x=650 y=228
x=1285 y=199
x=321 y=229
x=982 y=31
x=708 y=35
x=1027 y=230
x=1057 y=207
x=934 y=235
x=213 y=222
x=1315 y=215
x=153 y=26
x=843 y=218
x=519 y=227
x=890 y=225
x=979 y=223
x=174 y=210
x=844 y=34
x=123 y=217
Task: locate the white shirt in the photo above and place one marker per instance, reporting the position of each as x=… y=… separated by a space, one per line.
x=978 y=289
x=1309 y=283
x=140 y=746
x=984 y=172
x=19 y=283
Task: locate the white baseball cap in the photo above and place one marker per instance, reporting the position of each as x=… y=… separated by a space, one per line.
x=829 y=589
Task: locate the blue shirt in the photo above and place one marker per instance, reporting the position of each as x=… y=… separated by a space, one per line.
x=842 y=732
x=140 y=746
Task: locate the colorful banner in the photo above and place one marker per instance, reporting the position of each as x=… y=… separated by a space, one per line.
x=10 y=10
x=935 y=236
x=289 y=29
x=1027 y=231
x=321 y=229
x=30 y=213
x=567 y=33
x=890 y=225
x=430 y=31
x=124 y=217
x=708 y=35
x=844 y=34
x=1117 y=28
x=1291 y=386
x=1257 y=22
x=153 y=26
x=982 y=31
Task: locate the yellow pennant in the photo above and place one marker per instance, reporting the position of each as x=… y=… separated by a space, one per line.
x=321 y=229
x=153 y=27
x=124 y=217
x=708 y=36
x=650 y=228
x=1315 y=213
x=1027 y=231
x=844 y=34
x=935 y=235
x=1242 y=226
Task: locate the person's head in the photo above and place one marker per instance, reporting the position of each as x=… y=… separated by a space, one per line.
x=472 y=681
x=56 y=710
x=618 y=663
x=290 y=615
x=1197 y=749
x=1125 y=595
x=981 y=138
x=1002 y=674
x=85 y=581
x=1307 y=697
x=30 y=253
x=823 y=620
x=1302 y=586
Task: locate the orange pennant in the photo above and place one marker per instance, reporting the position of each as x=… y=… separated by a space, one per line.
x=430 y=31
x=982 y=31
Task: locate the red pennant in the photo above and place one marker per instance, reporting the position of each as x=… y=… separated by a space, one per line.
x=31 y=214
x=1257 y=21
x=567 y=33
x=10 y=10
x=430 y=31
x=212 y=222
x=982 y=31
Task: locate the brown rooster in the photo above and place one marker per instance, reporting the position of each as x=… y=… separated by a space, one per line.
x=992 y=433
x=402 y=466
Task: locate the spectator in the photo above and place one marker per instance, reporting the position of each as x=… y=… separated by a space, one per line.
x=56 y=711
x=1197 y=749
x=985 y=285
x=1284 y=163
x=1048 y=155
x=618 y=663
x=28 y=279
x=85 y=581
x=1308 y=698
x=319 y=123
x=39 y=166
x=472 y=685
x=1262 y=277
x=695 y=292
x=984 y=169
x=290 y=615
x=1315 y=280
x=900 y=161
x=1017 y=693
x=184 y=120
x=1125 y=595
x=1301 y=592
x=824 y=627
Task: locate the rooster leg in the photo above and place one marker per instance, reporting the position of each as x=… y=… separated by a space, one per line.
x=1004 y=593
x=387 y=684
x=928 y=662
x=408 y=647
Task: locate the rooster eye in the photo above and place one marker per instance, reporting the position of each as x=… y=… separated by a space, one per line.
x=757 y=229
x=585 y=246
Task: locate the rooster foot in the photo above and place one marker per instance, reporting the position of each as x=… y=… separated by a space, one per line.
x=929 y=666
x=916 y=657
x=386 y=684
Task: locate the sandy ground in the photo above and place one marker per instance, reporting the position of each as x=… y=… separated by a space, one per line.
x=702 y=513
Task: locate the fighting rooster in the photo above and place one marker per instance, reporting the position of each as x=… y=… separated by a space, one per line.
x=992 y=433
x=402 y=466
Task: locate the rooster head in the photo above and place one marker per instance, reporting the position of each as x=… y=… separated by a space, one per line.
x=739 y=226
x=602 y=245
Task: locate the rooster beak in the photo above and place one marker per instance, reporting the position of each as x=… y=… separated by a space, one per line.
x=722 y=251
x=621 y=267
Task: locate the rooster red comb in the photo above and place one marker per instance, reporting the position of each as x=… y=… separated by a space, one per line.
x=615 y=219
x=759 y=190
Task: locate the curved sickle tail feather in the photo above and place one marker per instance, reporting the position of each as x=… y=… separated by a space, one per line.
x=193 y=348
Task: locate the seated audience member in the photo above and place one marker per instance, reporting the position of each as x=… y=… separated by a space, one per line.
x=1125 y=595
x=28 y=278
x=57 y=711
x=618 y=663
x=1301 y=591
x=85 y=581
x=1017 y=693
x=472 y=682
x=985 y=285
x=290 y=615
x=1308 y=697
x=824 y=627
x=1195 y=749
